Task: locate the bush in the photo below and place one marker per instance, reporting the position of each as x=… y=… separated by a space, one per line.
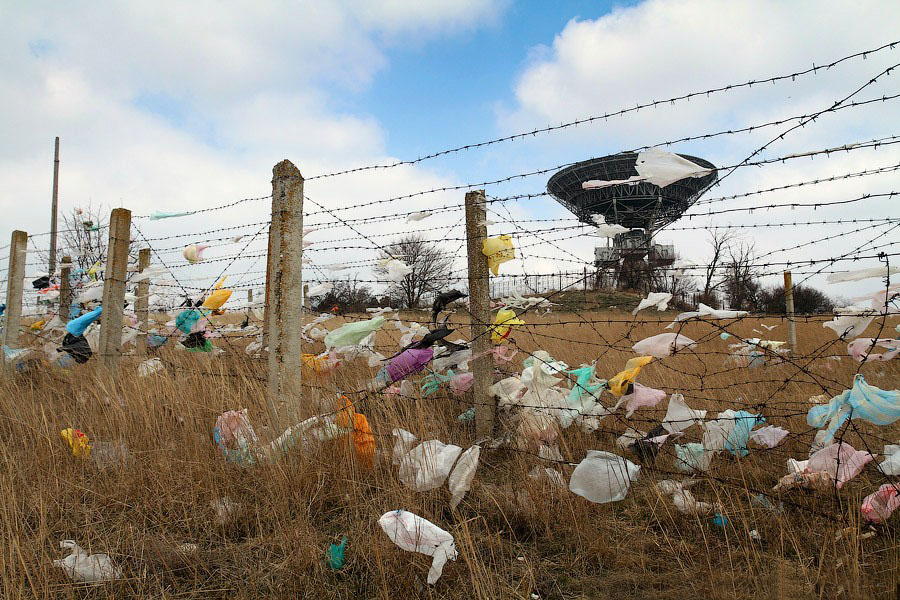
x=807 y=300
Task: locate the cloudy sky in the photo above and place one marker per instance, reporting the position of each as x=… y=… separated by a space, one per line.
x=170 y=106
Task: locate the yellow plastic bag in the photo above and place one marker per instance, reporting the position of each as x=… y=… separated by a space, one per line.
x=217 y=299
x=618 y=385
x=503 y=323
x=78 y=442
x=498 y=251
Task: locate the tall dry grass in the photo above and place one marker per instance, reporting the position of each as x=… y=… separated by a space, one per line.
x=545 y=542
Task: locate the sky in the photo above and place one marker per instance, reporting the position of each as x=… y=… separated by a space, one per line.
x=174 y=107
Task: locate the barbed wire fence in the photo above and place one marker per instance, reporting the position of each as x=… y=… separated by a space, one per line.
x=337 y=237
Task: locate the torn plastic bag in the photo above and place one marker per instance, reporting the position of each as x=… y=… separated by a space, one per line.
x=603 y=477
x=83 y=567
x=442 y=300
x=460 y=479
x=683 y=499
x=415 y=534
x=851 y=322
x=841 y=461
x=503 y=323
x=861 y=349
x=194 y=253
x=427 y=466
x=862 y=401
x=235 y=436
x=716 y=432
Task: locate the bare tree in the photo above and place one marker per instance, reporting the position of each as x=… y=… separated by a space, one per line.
x=719 y=240
x=740 y=276
x=429 y=263
x=83 y=235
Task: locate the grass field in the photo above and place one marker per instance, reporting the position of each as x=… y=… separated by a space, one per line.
x=516 y=537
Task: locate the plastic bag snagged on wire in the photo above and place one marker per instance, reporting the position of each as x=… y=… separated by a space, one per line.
x=769 y=436
x=415 y=534
x=862 y=401
x=194 y=253
x=83 y=567
x=891 y=464
x=77 y=326
x=427 y=466
x=618 y=385
x=503 y=323
x=640 y=396
x=603 y=477
x=352 y=334
x=498 y=251
x=861 y=349
x=680 y=416
x=658 y=299
x=663 y=344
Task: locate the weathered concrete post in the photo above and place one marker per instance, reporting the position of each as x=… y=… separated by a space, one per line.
x=12 y=324
x=114 y=277
x=142 y=305
x=480 y=313
x=789 y=306
x=273 y=234
x=284 y=286
x=65 y=288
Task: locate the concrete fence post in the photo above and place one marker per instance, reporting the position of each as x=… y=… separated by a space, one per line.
x=142 y=305
x=114 y=276
x=480 y=314
x=284 y=294
x=789 y=309
x=15 y=278
x=65 y=288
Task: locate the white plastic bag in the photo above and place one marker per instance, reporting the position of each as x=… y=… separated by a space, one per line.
x=81 y=566
x=427 y=466
x=603 y=477
x=415 y=534
x=680 y=416
x=663 y=344
x=460 y=479
x=149 y=367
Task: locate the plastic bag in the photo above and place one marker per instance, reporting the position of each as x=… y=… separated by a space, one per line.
x=618 y=385
x=640 y=396
x=194 y=253
x=460 y=479
x=352 y=334
x=603 y=477
x=658 y=299
x=862 y=401
x=81 y=566
x=149 y=367
x=235 y=436
x=769 y=436
x=680 y=416
x=878 y=507
x=403 y=443
x=415 y=534
x=739 y=436
x=498 y=251
x=891 y=464
x=663 y=344
x=427 y=466
x=503 y=323
x=217 y=299
x=78 y=442
x=77 y=326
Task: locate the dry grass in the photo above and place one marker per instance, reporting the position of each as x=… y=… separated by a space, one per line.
x=557 y=546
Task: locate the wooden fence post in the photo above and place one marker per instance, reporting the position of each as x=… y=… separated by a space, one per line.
x=114 y=276
x=284 y=291
x=142 y=305
x=789 y=306
x=65 y=289
x=480 y=314
x=15 y=276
